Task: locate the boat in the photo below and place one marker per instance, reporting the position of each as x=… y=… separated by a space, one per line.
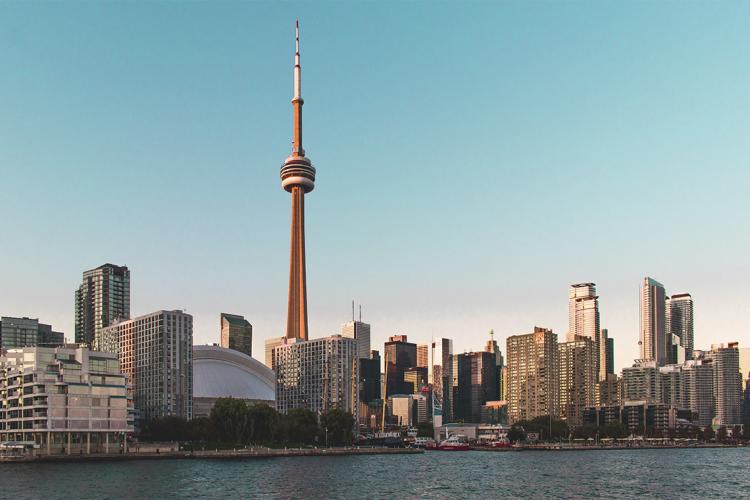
x=424 y=443
x=453 y=443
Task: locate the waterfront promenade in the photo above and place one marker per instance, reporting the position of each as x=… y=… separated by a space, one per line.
x=241 y=453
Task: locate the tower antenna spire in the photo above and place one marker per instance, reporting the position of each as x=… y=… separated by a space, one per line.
x=297 y=101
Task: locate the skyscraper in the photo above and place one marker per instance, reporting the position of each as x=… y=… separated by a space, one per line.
x=440 y=372
x=236 y=333
x=297 y=178
x=27 y=332
x=399 y=356
x=679 y=321
x=102 y=299
x=474 y=383
x=727 y=382
x=270 y=345
x=532 y=383
x=654 y=341
x=609 y=365
x=156 y=352
x=492 y=347
x=577 y=377
x=361 y=333
x=423 y=355
x=583 y=321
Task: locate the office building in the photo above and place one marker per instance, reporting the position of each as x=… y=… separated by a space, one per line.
x=27 y=332
x=474 y=383
x=269 y=345
x=236 y=333
x=408 y=410
x=654 y=341
x=369 y=378
x=66 y=400
x=102 y=299
x=744 y=364
x=727 y=383
x=532 y=381
x=492 y=347
x=679 y=321
x=578 y=377
x=318 y=375
x=361 y=333
x=156 y=352
x=399 y=356
x=416 y=379
x=423 y=355
x=440 y=375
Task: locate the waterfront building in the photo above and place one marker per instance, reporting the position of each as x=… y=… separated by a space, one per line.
x=156 y=352
x=408 y=410
x=642 y=418
x=577 y=377
x=65 y=399
x=270 y=345
x=317 y=374
x=423 y=355
x=361 y=333
x=219 y=372
x=297 y=178
x=610 y=390
x=236 y=333
x=369 y=378
x=102 y=298
x=672 y=386
x=440 y=375
x=27 y=332
x=494 y=412
x=399 y=356
x=640 y=382
x=654 y=341
x=532 y=382
x=679 y=321
x=727 y=383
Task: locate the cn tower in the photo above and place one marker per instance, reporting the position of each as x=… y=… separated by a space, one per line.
x=298 y=178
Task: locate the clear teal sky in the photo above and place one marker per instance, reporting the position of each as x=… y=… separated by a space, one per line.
x=473 y=160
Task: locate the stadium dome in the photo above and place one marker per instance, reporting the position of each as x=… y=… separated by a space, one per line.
x=221 y=373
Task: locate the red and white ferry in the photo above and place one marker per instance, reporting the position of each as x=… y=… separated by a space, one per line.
x=453 y=443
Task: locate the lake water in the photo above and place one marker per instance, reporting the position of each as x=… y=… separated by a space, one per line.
x=684 y=473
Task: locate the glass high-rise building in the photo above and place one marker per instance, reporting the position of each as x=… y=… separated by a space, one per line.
x=440 y=373
x=236 y=333
x=654 y=340
x=27 y=332
x=399 y=356
x=679 y=321
x=102 y=299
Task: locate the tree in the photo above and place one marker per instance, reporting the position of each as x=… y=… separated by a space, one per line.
x=339 y=425
x=614 y=430
x=516 y=434
x=263 y=424
x=721 y=434
x=708 y=433
x=202 y=430
x=298 y=426
x=231 y=420
x=167 y=428
x=585 y=431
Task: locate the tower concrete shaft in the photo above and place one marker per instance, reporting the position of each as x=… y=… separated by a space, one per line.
x=298 y=178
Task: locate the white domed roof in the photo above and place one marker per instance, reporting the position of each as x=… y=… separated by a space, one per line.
x=220 y=372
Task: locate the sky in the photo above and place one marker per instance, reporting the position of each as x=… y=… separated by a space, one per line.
x=473 y=160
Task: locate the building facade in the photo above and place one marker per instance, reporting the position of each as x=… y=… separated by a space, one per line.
x=679 y=324
x=727 y=383
x=475 y=382
x=361 y=333
x=27 y=332
x=156 y=352
x=654 y=341
x=270 y=345
x=369 y=378
x=318 y=374
x=399 y=356
x=102 y=299
x=640 y=382
x=236 y=333
x=532 y=382
x=440 y=375
x=66 y=400
x=578 y=378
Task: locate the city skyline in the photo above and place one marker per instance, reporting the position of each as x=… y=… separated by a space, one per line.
x=385 y=247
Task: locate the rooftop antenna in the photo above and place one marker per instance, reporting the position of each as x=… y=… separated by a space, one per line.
x=360 y=313
x=352 y=309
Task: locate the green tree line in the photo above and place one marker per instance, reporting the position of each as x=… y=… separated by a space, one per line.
x=234 y=423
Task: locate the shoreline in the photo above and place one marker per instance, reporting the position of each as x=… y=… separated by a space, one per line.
x=604 y=448
x=210 y=454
